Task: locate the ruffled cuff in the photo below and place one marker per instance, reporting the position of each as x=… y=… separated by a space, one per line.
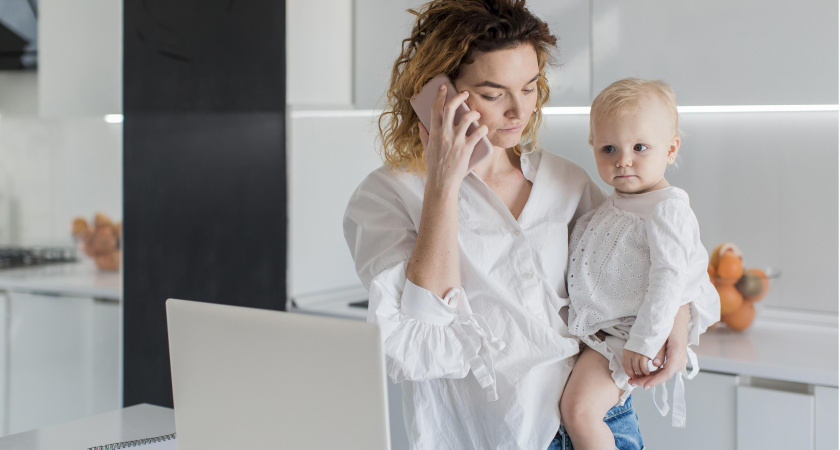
x=427 y=337
x=705 y=312
x=645 y=346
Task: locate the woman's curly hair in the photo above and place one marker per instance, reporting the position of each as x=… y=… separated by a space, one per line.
x=448 y=34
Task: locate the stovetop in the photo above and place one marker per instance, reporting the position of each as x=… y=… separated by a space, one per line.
x=13 y=257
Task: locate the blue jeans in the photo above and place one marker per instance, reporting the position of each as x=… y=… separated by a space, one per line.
x=624 y=424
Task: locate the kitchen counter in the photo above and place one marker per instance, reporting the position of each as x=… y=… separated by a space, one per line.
x=80 y=279
x=783 y=345
x=803 y=349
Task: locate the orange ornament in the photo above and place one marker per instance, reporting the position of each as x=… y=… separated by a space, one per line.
x=730 y=299
x=742 y=318
x=710 y=269
x=729 y=268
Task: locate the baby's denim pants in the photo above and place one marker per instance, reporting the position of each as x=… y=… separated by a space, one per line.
x=623 y=422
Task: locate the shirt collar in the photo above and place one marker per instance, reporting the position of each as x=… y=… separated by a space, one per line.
x=530 y=160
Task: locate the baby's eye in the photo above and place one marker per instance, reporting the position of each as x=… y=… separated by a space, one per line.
x=640 y=147
x=608 y=149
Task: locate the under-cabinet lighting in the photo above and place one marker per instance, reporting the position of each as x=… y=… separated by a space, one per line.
x=309 y=114
x=114 y=118
x=584 y=110
x=756 y=108
x=565 y=110
x=550 y=111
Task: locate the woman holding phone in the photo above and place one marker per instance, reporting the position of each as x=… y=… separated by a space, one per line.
x=466 y=266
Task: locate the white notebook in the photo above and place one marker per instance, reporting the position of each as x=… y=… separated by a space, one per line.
x=166 y=442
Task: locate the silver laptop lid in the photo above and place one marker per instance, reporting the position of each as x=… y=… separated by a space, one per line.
x=258 y=379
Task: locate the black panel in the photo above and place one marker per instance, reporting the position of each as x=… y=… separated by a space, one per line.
x=204 y=55
x=204 y=178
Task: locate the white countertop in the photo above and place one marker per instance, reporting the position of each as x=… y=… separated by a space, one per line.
x=796 y=351
x=81 y=279
x=780 y=345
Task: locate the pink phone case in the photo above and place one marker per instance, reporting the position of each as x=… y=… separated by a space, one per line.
x=422 y=104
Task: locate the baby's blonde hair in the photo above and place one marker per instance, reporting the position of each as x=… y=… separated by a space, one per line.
x=622 y=97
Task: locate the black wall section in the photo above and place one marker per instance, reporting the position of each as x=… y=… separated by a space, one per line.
x=204 y=169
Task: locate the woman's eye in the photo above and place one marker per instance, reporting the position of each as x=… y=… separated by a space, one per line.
x=489 y=98
x=609 y=149
x=640 y=147
x=529 y=91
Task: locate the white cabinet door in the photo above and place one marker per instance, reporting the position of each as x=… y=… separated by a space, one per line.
x=770 y=419
x=710 y=418
x=63 y=359
x=825 y=436
x=720 y=52
x=4 y=362
x=79 y=58
x=381 y=25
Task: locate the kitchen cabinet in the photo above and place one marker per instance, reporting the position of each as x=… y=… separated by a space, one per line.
x=826 y=412
x=79 y=58
x=59 y=344
x=62 y=361
x=774 y=419
x=730 y=412
x=757 y=388
x=719 y=52
x=325 y=80
x=380 y=26
x=710 y=415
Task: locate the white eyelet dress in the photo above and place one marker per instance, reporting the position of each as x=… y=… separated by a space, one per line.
x=633 y=262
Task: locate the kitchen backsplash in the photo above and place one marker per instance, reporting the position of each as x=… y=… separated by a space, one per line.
x=52 y=170
x=765 y=181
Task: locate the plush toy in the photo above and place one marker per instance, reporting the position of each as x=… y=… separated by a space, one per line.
x=100 y=240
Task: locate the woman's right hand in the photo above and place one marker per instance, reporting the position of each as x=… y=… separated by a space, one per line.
x=447 y=146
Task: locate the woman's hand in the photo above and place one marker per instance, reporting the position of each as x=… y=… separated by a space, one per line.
x=447 y=146
x=434 y=260
x=673 y=353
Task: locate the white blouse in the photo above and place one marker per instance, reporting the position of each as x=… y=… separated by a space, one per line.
x=639 y=255
x=490 y=373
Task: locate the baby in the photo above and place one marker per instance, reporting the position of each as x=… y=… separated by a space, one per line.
x=633 y=261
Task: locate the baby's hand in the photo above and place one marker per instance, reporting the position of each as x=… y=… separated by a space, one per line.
x=635 y=364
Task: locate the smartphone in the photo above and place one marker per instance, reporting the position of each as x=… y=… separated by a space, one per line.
x=422 y=104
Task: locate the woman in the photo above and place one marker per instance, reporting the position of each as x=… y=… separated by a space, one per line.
x=466 y=270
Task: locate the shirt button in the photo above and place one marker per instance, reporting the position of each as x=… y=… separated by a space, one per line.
x=526 y=276
x=542 y=316
x=516 y=233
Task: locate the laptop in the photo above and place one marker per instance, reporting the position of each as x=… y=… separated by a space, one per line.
x=246 y=378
